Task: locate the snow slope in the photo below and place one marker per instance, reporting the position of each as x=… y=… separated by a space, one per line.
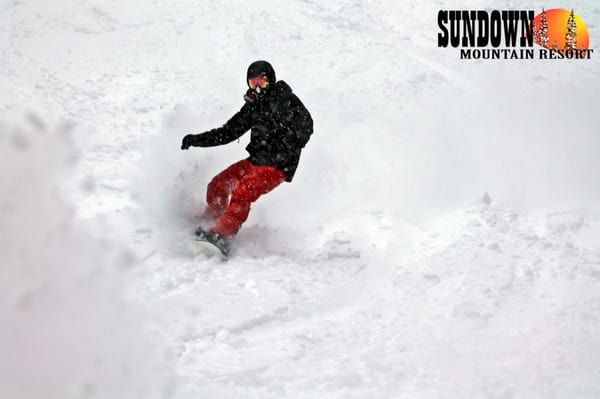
x=440 y=239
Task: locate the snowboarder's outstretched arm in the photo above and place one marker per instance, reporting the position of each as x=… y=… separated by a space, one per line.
x=235 y=127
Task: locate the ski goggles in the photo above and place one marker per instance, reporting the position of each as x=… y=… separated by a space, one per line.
x=259 y=81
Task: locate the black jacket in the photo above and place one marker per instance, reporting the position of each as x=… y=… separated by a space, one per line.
x=281 y=127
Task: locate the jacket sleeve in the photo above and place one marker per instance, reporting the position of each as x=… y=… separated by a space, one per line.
x=234 y=128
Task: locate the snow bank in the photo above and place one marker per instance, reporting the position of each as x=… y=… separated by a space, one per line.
x=67 y=331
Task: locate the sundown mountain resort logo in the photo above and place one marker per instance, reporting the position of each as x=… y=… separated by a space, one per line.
x=514 y=34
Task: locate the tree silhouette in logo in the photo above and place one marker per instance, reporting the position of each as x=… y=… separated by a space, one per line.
x=543 y=34
x=571 y=42
x=562 y=27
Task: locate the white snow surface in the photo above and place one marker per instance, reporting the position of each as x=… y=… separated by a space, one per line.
x=441 y=238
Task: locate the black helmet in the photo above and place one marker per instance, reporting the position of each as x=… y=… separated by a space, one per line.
x=258 y=68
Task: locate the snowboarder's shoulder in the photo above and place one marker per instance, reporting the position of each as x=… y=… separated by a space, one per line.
x=282 y=87
x=282 y=92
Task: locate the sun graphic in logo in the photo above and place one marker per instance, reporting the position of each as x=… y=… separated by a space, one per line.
x=560 y=29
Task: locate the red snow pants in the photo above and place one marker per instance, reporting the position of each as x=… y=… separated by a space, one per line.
x=231 y=192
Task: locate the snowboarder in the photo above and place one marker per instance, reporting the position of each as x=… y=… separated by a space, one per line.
x=280 y=127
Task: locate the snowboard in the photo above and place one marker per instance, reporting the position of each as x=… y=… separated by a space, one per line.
x=210 y=244
x=202 y=246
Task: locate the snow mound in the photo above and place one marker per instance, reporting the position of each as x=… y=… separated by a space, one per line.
x=67 y=330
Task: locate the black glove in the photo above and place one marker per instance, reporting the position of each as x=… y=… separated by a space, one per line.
x=188 y=141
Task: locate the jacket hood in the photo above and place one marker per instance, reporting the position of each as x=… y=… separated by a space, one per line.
x=258 y=68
